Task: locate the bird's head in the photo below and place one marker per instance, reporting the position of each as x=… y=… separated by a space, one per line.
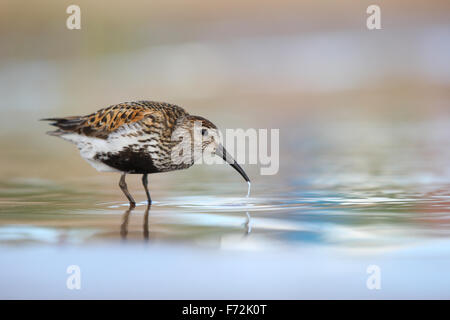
x=201 y=136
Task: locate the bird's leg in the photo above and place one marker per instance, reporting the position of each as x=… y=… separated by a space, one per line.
x=146 y=231
x=123 y=186
x=145 y=183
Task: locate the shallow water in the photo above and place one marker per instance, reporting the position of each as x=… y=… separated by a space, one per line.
x=363 y=197
x=364 y=159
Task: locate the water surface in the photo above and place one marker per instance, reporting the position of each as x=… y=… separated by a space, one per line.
x=337 y=206
x=363 y=179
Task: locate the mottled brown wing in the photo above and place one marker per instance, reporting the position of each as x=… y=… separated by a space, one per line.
x=105 y=121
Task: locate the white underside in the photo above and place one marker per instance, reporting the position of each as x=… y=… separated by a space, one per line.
x=100 y=166
x=89 y=146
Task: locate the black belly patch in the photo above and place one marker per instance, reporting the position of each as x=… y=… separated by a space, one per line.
x=129 y=161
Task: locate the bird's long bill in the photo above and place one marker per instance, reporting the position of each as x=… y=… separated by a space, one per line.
x=221 y=152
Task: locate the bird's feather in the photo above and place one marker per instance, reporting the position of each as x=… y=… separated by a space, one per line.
x=124 y=135
x=105 y=121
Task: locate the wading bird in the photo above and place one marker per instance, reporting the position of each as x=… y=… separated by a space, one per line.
x=140 y=138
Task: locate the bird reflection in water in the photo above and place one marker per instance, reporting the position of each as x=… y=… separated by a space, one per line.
x=146 y=233
x=125 y=219
x=247 y=224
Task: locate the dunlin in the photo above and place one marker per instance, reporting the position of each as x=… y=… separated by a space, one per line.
x=138 y=138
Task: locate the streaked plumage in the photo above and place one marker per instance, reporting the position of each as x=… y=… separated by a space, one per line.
x=135 y=137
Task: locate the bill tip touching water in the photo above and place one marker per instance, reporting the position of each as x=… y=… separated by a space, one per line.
x=142 y=137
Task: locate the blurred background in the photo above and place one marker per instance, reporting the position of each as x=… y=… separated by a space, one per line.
x=364 y=118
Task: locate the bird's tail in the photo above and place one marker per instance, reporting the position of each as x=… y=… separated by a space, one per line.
x=64 y=125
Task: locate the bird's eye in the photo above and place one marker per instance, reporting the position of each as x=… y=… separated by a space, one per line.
x=204 y=132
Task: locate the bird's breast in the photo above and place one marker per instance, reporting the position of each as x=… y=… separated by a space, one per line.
x=145 y=155
x=131 y=149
